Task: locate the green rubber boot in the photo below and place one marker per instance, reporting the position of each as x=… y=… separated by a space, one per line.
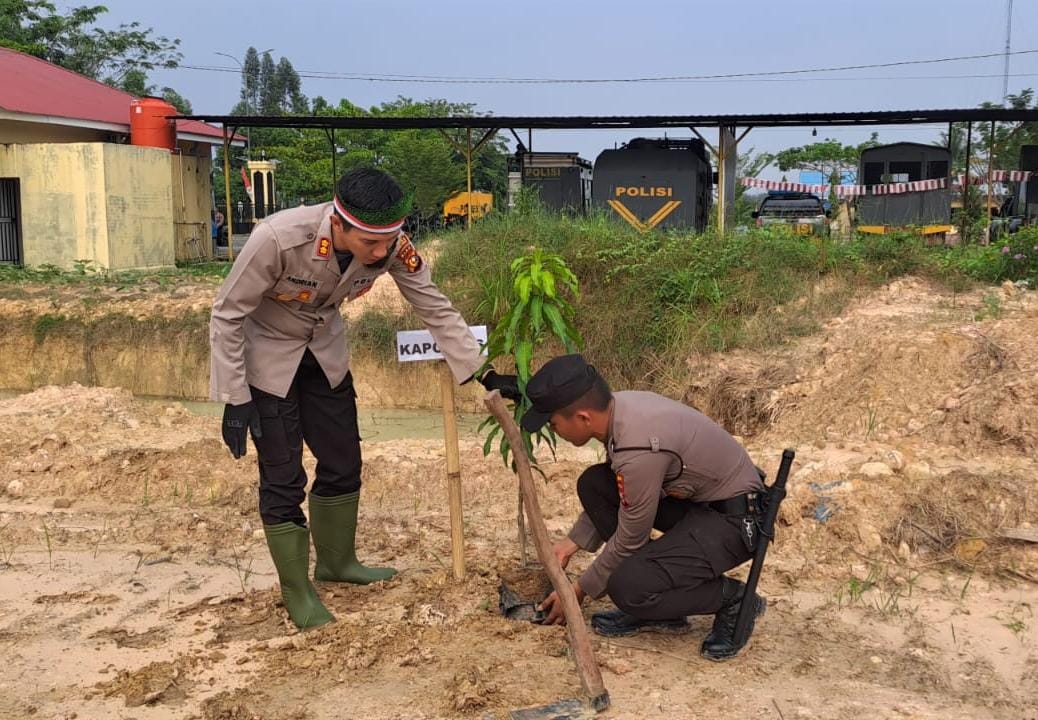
x=290 y=548
x=333 y=525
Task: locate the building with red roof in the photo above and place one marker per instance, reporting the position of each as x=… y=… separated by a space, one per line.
x=76 y=184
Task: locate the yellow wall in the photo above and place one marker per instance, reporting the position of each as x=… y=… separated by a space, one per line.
x=62 y=201
x=139 y=207
x=108 y=204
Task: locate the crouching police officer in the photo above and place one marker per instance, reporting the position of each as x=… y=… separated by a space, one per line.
x=280 y=363
x=671 y=468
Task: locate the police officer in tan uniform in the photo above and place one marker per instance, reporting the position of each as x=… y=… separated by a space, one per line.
x=668 y=467
x=281 y=366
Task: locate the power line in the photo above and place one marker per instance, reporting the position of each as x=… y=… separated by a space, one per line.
x=449 y=80
x=737 y=80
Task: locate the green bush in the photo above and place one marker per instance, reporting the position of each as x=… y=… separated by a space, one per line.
x=649 y=300
x=1014 y=257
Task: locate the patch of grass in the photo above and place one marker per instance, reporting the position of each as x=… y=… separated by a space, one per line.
x=373 y=332
x=885 y=602
x=45 y=324
x=87 y=273
x=650 y=300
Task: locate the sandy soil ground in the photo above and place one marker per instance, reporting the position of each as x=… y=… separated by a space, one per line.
x=134 y=581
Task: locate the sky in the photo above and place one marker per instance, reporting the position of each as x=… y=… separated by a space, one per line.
x=609 y=39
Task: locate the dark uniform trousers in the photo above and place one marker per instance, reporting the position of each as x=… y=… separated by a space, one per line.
x=326 y=419
x=679 y=573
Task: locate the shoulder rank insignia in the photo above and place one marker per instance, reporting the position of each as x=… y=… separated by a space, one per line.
x=407 y=254
x=323 y=249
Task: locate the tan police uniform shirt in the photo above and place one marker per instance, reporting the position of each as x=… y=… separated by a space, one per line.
x=283 y=296
x=712 y=466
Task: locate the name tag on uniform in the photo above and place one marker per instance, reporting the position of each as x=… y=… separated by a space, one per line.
x=361 y=286
x=297 y=288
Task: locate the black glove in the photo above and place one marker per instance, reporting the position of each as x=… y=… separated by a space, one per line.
x=236 y=418
x=508 y=385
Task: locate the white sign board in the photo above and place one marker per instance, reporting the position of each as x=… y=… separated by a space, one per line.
x=413 y=345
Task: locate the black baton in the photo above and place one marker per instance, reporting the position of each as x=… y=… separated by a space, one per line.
x=765 y=534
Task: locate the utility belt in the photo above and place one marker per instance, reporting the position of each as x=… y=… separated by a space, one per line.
x=748 y=511
x=751 y=503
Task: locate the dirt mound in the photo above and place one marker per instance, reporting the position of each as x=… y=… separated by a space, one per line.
x=101 y=443
x=907 y=362
x=912 y=414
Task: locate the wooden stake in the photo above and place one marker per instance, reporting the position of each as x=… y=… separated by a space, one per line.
x=450 y=438
x=524 y=559
x=579 y=640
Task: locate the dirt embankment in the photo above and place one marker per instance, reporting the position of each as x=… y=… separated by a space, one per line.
x=134 y=581
x=153 y=340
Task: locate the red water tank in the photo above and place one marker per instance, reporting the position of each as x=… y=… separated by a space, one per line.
x=149 y=126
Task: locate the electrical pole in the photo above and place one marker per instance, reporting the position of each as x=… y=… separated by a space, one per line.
x=1009 y=37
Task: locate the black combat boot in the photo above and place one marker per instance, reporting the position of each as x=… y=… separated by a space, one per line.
x=720 y=643
x=617 y=623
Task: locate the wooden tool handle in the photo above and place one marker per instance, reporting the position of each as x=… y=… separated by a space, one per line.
x=579 y=640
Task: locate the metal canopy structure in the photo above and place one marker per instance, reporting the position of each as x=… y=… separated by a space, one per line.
x=620 y=122
x=725 y=152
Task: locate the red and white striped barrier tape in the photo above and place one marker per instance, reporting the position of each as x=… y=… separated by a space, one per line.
x=997 y=176
x=889 y=188
x=849 y=190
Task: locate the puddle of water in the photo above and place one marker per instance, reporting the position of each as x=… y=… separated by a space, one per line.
x=375 y=423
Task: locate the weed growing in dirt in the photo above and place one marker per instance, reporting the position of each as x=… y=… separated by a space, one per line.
x=6 y=547
x=1016 y=618
x=50 y=545
x=100 y=537
x=881 y=600
x=966 y=586
x=244 y=571
x=870 y=422
x=992 y=308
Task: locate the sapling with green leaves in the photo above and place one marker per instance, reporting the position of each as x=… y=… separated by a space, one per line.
x=539 y=312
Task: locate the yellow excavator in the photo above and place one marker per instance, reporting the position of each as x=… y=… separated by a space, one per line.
x=456 y=207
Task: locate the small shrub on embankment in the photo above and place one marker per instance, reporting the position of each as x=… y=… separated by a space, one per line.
x=85 y=272
x=650 y=300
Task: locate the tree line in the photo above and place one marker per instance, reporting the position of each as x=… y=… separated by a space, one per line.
x=425 y=160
